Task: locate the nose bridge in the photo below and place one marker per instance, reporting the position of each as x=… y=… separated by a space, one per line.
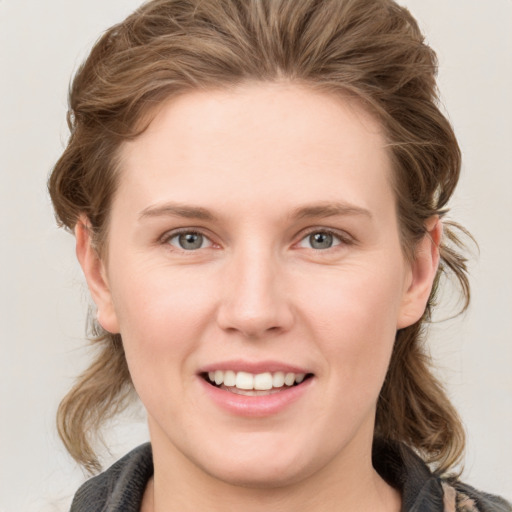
x=254 y=300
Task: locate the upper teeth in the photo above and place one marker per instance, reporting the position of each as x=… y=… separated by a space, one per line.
x=260 y=381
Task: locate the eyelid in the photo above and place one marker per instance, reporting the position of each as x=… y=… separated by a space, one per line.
x=342 y=236
x=168 y=235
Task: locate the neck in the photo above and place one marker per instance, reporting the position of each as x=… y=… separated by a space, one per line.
x=348 y=483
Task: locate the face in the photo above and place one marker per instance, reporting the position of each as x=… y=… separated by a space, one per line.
x=255 y=273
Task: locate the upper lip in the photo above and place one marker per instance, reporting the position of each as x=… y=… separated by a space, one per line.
x=254 y=367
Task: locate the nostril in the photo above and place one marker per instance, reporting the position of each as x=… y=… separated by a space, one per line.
x=254 y=314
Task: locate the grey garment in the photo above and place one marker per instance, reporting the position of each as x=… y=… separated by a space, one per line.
x=424 y=491
x=121 y=487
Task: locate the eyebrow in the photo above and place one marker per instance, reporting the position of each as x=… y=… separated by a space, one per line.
x=317 y=210
x=329 y=209
x=177 y=210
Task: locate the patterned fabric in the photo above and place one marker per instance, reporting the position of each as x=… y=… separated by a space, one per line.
x=422 y=490
x=457 y=501
x=120 y=488
x=459 y=497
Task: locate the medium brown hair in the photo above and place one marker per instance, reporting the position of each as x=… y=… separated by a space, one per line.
x=370 y=49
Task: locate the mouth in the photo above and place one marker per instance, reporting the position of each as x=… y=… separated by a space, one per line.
x=250 y=384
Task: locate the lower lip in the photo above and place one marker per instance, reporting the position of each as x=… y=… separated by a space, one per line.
x=255 y=406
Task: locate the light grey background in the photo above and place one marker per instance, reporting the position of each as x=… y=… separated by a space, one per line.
x=43 y=298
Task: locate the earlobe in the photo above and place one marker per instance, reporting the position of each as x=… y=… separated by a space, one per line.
x=95 y=275
x=423 y=272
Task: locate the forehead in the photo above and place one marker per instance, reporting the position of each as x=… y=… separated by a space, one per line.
x=275 y=142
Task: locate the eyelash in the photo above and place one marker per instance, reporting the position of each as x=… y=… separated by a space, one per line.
x=166 y=238
x=342 y=238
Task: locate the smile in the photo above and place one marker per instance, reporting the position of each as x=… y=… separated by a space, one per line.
x=245 y=383
x=255 y=389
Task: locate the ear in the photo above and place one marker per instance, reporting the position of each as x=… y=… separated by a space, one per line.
x=95 y=275
x=423 y=271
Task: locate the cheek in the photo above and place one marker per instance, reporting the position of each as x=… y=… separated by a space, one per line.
x=354 y=316
x=163 y=320
x=161 y=316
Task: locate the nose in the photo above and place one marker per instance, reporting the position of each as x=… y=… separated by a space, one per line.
x=254 y=299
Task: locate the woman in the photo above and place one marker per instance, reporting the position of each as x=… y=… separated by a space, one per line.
x=257 y=191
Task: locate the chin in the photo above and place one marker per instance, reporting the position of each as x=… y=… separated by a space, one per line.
x=258 y=475
x=260 y=464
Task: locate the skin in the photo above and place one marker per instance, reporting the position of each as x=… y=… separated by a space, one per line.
x=257 y=290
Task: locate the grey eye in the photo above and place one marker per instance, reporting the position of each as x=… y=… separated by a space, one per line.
x=189 y=241
x=319 y=240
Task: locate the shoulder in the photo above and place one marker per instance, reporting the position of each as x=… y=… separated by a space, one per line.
x=423 y=490
x=460 y=497
x=119 y=488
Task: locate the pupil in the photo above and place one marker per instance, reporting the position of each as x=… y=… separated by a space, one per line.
x=189 y=241
x=321 y=240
